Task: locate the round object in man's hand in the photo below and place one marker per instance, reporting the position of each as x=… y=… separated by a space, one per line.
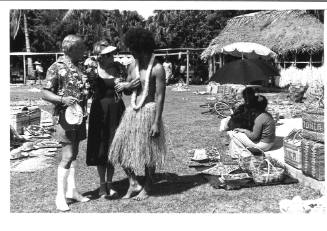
x=74 y=114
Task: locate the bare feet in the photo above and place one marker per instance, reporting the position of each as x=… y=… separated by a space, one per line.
x=132 y=190
x=112 y=192
x=103 y=190
x=142 y=195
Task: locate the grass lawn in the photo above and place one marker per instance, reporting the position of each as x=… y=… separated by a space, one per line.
x=178 y=188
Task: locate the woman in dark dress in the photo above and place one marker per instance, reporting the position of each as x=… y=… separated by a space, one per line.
x=105 y=114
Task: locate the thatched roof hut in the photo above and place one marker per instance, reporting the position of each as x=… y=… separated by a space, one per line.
x=283 y=31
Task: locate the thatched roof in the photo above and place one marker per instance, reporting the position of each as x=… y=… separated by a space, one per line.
x=282 y=31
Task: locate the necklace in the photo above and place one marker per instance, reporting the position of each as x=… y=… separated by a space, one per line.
x=146 y=84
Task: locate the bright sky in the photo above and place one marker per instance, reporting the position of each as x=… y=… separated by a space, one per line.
x=145 y=12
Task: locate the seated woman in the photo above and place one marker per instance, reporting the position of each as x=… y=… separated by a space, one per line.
x=263 y=133
x=243 y=114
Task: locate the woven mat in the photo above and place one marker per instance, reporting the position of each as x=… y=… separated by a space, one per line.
x=32 y=164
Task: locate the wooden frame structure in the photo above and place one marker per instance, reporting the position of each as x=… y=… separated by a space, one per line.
x=179 y=51
x=158 y=52
x=24 y=54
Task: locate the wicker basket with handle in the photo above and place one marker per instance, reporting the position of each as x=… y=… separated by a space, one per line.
x=313 y=159
x=292 y=148
x=269 y=175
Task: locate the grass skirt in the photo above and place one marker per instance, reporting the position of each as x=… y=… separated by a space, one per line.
x=132 y=146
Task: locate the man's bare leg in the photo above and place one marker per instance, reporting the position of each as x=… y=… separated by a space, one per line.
x=134 y=186
x=149 y=173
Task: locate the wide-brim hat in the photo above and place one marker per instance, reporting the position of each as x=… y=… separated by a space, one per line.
x=108 y=49
x=36 y=62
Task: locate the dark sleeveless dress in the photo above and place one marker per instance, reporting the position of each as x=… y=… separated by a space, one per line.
x=104 y=118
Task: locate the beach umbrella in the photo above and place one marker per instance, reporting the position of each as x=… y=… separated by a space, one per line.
x=248 y=50
x=244 y=71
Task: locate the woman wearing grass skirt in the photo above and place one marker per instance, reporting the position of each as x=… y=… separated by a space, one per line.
x=139 y=141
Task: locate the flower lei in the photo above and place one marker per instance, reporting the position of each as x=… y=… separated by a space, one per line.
x=146 y=84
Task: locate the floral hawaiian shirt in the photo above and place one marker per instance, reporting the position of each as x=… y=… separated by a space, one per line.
x=65 y=79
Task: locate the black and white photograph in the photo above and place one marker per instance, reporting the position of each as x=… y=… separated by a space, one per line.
x=165 y=107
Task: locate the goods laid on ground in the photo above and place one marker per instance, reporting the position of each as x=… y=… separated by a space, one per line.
x=220 y=169
x=251 y=169
x=32 y=164
x=22 y=117
x=225 y=89
x=297 y=205
x=274 y=113
x=292 y=148
x=280 y=106
x=180 y=87
x=31 y=145
x=296 y=92
x=30 y=148
x=303 y=77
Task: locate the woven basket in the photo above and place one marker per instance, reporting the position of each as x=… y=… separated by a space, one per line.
x=268 y=175
x=314 y=136
x=313 y=120
x=292 y=148
x=274 y=113
x=313 y=159
x=250 y=163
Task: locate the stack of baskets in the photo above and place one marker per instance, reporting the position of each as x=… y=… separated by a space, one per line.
x=312 y=144
x=21 y=117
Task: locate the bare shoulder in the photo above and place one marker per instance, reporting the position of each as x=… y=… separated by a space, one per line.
x=158 y=69
x=130 y=67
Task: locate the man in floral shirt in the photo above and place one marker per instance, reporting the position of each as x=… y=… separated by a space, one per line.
x=66 y=87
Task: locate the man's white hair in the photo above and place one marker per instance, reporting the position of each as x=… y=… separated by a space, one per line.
x=69 y=42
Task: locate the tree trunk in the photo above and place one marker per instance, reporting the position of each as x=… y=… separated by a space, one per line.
x=28 y=48
x=119 y=24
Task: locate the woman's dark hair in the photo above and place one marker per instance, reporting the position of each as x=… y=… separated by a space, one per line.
x=248 y=92
x=139 y=40
x=261 y=104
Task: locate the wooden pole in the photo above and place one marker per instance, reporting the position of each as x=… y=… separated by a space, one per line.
x=187 y=67
x=310 y=62
x=295 y=60
x=210 y=68
x=24 y=64
x=214 y=63
x=220 y=61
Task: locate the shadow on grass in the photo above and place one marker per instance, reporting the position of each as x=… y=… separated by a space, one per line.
x=164 y=184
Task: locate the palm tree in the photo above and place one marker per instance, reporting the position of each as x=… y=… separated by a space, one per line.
x=15 y=26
